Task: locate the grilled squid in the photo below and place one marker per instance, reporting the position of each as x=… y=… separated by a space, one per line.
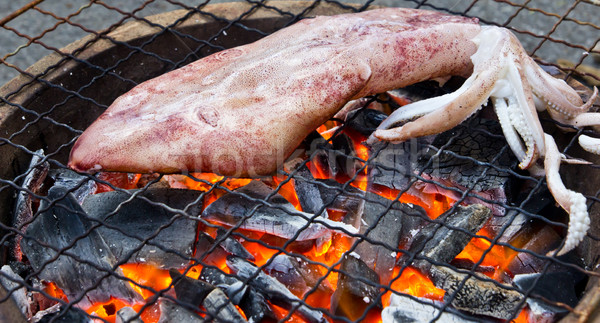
x=243 y=111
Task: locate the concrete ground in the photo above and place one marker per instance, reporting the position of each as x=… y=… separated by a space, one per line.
x=15 y=50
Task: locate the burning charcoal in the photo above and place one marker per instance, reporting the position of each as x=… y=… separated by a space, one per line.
x=349 y=200
x=345 y=154
x=36 y=174
x=442 y=240
x=411 y=309
x=232 y=246
x=539 y=242
x=13 y=284
x=137 y=220
x=84 y=259
x=128 y=315
x=275 y=291
x=459 y=165
x=172 y=312
x=298 y=275
x=353 y=294
x=81 y=186
x=394 y=164
x=365 y=121
x=384 y=226
x=308 y=192
x=475 y=295
x=220 y=308
x=281 y=220
x=189 y=290
x=207 y=253
x=252 y=303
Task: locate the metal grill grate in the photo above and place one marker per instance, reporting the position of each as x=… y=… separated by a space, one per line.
x=49 y=104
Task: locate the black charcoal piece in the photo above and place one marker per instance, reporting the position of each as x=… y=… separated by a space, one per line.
x=296 y=274
x=70 y=315
x=345 y=154
x=253 y=303
x=189 y=290
x=384 y=223
x=365 y=121
x=350 y=200
x=130 y=223
x=476 y=295
x=173 y=312
x=32 y=183
x=441 y=241
x=206 y=251
x=232 y=246
x=404 y=309
x=274 y=291
x=127 y=315
x=556 y=287
x=394 y=164
x=84 y=268
x=243 y=207
x=357 y=287
x=81 y=186
x=220 y=308
x=308 y=192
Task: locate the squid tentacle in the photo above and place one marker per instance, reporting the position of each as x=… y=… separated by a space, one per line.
x=572 y=202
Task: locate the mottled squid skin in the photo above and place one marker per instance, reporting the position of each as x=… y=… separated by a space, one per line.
x=242 y=111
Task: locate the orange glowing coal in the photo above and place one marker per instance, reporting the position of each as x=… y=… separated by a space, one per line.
x=149 y=279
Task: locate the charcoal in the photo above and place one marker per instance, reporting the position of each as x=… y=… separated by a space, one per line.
x=459 y=165
x=189 y=290
x=85 y=262
x=275 y=291
x=558 y=287
x=13 y=284
x=204 y=254
x=476 y=295
x=173 y=312
x=64 y=315
x=353 y=295
x=365 y=121
x=539 y=242
x=253 y=303
x=296 y=274
x=349 y=200
x=384 y=226
x=281 y=220
x=308 y=192
x=139 y=220
x=394 y=164
x=322 y=153
x=232 y=246
x=23 y=215
x=220 y=308
x=127 y=315
x=81 y=186
x=404 y=309
x=345 y=154
x=442 y=240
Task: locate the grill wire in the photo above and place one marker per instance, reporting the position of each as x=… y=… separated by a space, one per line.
x=13 y=60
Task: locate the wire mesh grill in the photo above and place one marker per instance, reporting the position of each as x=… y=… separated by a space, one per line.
x=47 y=107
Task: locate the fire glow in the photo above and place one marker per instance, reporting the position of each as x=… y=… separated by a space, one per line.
x=148 y=280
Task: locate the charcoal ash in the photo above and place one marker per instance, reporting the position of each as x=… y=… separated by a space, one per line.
x=385 y=224
x=248 y=298
x=298 y=275
x=23 y=210
x=173 y=312
x=63 y=314
x=274 y=291
x=144 y=228
x=246 y=208
x=85 y=267
x=357 y=287
x=405 y=308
